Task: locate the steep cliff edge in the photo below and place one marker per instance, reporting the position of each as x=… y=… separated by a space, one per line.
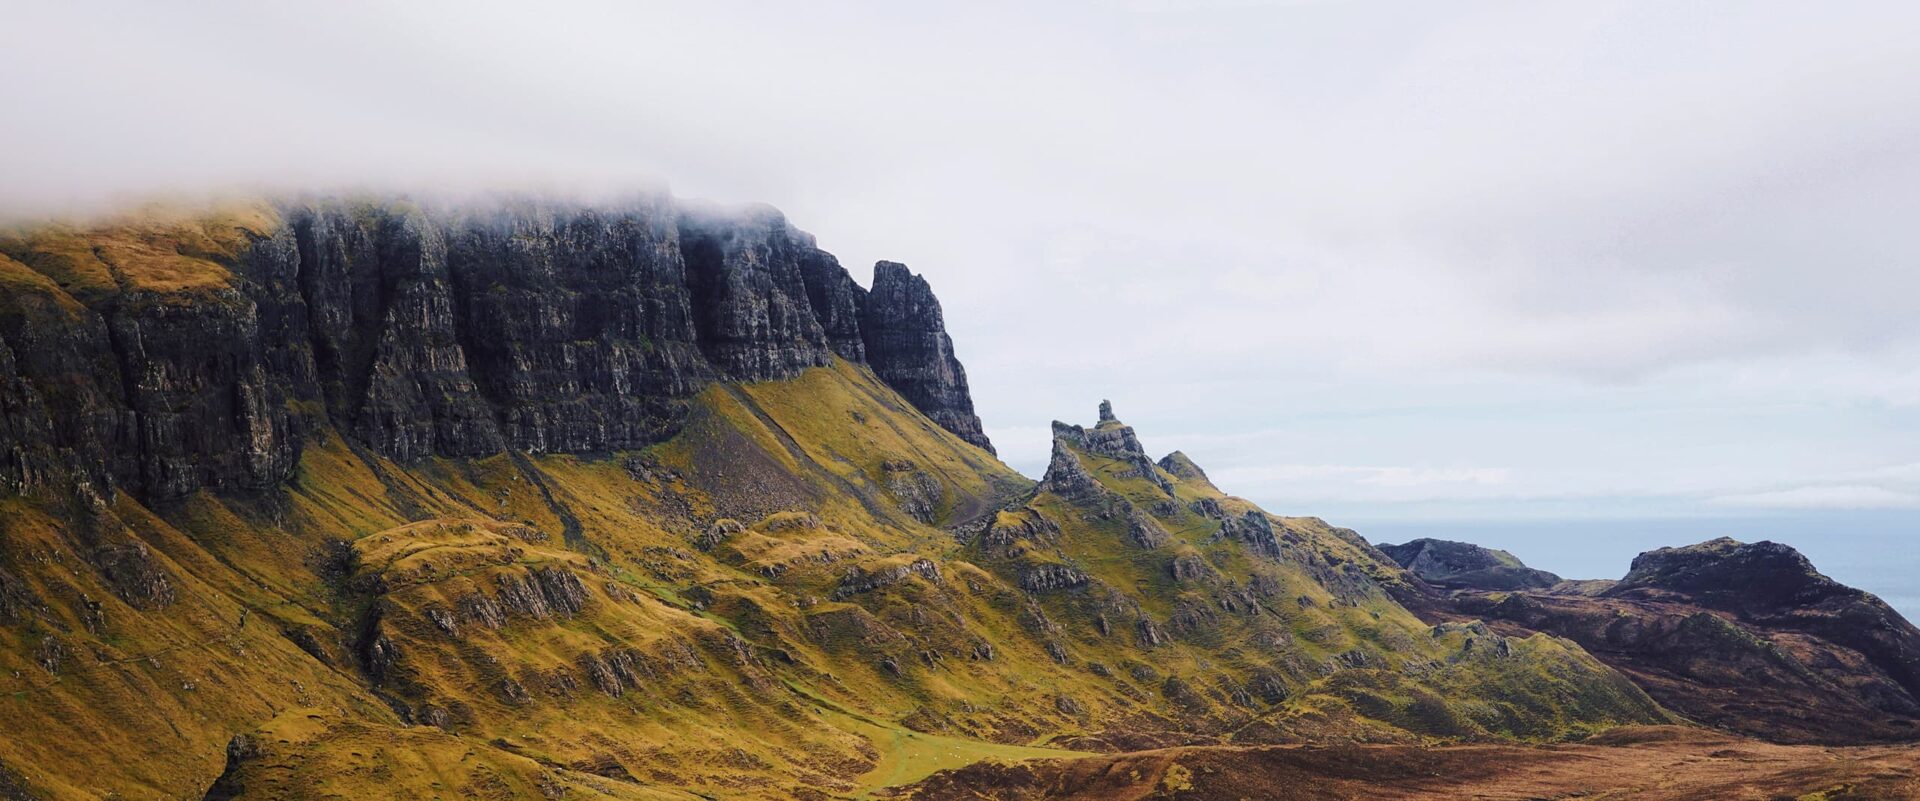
x=907 y=344
x=165 y=353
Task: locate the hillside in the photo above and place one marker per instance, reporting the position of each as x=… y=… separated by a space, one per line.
x=1746 y=637
x=369 y=498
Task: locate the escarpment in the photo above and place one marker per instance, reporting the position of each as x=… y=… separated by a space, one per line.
x=169 y=355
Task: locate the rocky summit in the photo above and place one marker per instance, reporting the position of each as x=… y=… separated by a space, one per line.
x=531 y=498
x=1463 y=564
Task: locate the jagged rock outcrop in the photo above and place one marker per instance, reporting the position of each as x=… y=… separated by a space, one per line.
x=1148 y=634
x=15 y=598
x=908 y=347
x=582 y=322
x=1044 y=578
x=918 y=491
x=1113 y=439
x=860 y=580
x=1465 y=565
x=1018 y=525
x=718 y=533
x=1192 y=569
x=175 y=355
x=133 y=574
x=1066 y=475
x=1145 y=531
x=543 y=592
x=1254 y=530
x=751 y=311
x=118 y=380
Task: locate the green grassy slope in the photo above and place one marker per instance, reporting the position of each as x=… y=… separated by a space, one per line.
x=812 y=591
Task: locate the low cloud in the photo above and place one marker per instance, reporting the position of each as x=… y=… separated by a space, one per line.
x=1375 y=484
x=1369 y=475
x=1848 y=496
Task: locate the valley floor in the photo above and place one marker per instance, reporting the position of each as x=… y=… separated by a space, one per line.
x=1640 y=763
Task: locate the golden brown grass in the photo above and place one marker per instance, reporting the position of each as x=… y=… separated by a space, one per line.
x=159 y=249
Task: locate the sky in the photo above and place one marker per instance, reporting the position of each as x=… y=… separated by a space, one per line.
x=1530 y=266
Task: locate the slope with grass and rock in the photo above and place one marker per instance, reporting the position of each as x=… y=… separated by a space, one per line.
x=378 y=498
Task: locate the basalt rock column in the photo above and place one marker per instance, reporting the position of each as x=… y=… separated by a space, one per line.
x=908 y=347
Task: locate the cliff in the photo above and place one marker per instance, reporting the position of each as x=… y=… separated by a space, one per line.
x=169 y=353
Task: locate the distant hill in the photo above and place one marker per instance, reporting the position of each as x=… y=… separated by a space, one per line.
x=1464 y=565
x=1747 y=637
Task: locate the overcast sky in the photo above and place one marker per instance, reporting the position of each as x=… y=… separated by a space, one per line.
x=1367 y=260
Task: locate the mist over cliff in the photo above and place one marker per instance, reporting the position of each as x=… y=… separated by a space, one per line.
x=166 y=355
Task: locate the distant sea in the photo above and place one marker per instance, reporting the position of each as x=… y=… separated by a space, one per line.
x=1875 y=551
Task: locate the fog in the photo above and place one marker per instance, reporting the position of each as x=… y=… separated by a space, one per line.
x=1388 y=260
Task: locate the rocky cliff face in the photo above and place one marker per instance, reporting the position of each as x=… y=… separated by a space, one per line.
x=199 y=352
x=907 y=344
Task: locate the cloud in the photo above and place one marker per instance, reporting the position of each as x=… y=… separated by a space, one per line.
x=1604 y=192
x=1330 y=483
x=1846 y=496
x=1891 y=487
x=1371 y=476
x=1905 y=474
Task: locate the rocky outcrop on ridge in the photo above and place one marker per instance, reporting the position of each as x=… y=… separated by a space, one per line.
x=908 y=347
x=1110 y=438
x=1465 y=565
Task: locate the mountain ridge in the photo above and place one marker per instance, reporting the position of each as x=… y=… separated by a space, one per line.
x=537 y=498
